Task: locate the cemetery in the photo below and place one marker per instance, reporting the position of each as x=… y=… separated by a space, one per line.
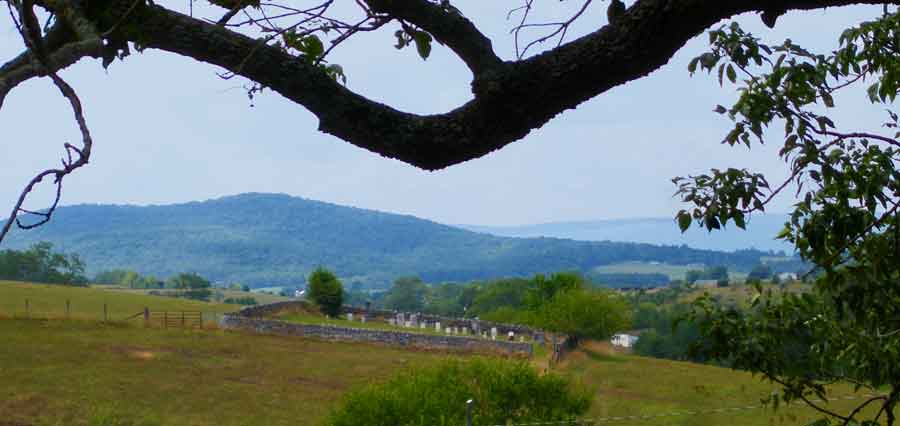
x=295 y=318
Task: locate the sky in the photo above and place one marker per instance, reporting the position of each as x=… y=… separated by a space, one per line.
x=168 y=130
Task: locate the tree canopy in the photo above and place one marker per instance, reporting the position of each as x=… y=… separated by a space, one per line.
x=846 y=221
x=285 y=48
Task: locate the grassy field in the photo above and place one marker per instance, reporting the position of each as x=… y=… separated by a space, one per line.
x=86 y=373
x=675 y=272
x=56 y=372
x=49 y=301
x=628 y=385
x=261 y=298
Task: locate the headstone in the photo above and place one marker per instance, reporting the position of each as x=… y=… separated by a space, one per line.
x=493 y=333
x=362 y=319
x=476 y=328
x=448 y=331
x=391 y=321
x=350 y=316
x=414 y=319
x=422 y=325
x=465 y=331
x=437 y=326
x=511 y=336
x=408 y=324
x=522 y=339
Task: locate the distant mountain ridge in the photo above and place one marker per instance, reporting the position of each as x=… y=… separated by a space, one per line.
x=760 y=233
x=271 y=239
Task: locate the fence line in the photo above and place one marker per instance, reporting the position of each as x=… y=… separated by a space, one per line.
x=30 y=308
x=614 y=419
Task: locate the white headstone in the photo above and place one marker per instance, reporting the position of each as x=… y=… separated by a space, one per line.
x=392 y=321
x=512 y=336
x=437 y=326
x=408 y=324
x=422 y=325
x=449 y=330
x=362 y=319
x=350 y=316
x=494 y=333
x=465 y=331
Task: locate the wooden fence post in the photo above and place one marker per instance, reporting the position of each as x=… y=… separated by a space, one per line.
x=146 y=317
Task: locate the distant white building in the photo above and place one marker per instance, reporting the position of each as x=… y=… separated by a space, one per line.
x=624 y=340
x=787 y=276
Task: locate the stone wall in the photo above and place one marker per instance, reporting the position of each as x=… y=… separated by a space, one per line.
x=243 y=321
x=271 y=309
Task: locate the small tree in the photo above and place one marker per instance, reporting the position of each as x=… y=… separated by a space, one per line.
x=503 y=391
x=584 y=314
x=326 y=291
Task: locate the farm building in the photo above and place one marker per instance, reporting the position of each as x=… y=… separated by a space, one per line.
x=624 y=340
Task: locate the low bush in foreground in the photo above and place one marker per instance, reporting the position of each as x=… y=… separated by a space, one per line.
x=503 y=391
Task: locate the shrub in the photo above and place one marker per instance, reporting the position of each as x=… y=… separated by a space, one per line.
x=503 y=391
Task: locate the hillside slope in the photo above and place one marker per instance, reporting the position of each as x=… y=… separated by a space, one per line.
x=760 y=233
x=266 y=239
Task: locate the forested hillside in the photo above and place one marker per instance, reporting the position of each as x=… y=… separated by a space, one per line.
x=265 y=239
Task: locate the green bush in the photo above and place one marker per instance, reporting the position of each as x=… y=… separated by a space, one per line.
x=503 y=391
x=326 y=291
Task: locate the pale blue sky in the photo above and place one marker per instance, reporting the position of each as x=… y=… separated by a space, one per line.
x=168 y=130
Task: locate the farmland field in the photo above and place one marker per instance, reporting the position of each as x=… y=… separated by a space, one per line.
x=60 y=372
x=675 y=272
x=49 y=301
x=80 y=372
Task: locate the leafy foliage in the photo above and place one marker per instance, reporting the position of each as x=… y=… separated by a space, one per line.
x=40 y=264
x=845 y=223
x=582 y=313
x=503 y=391
x=326 y=291
x=407 y=295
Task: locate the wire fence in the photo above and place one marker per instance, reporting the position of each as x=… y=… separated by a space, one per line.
x=35 y=308
x=614 y=419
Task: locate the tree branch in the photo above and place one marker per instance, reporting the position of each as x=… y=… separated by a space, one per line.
x=448 y=26
x=509 y=99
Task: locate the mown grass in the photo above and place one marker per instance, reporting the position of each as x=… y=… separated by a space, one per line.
x=57 y=372
x=261 y=298
x=49 y=301
x=628 y=385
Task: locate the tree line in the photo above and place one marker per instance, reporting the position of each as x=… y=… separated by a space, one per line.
x=41 y=264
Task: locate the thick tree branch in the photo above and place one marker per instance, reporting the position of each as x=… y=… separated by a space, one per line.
x=510 y=100
x=448 y=26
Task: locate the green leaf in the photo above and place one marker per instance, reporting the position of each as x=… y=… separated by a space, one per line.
x=684 y=220
x=732 y=75
x=423 y=43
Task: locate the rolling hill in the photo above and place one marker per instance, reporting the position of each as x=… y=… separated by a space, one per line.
x=269 y=239
x=760 y=233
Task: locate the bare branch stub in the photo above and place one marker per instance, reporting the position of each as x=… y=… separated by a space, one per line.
x=44 y=62
x=559 y=30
